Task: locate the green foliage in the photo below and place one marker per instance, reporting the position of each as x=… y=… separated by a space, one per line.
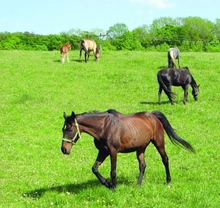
x=213 y=46
x=189 y=34
x=117 y=30
x=37 y=89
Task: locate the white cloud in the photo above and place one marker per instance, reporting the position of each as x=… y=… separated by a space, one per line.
x=161 y=4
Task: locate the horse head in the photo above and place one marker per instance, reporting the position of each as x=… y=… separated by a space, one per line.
x=97 y=54
x=195 y=92
x=71 y=133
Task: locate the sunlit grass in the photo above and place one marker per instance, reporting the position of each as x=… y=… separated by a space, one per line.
x=37 y=89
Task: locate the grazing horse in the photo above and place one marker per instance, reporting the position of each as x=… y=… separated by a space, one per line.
x=173 y=54
x=88 y=46
x=64 y=50
x=182 y=77
x=114 y=132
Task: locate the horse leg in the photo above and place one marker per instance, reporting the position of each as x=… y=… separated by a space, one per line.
x=80 y=54
x=94 y=53
x=67 y=57
x=142 y=165
x=113 y=156
x=85 y=57
x=159 y=144
x=179 y=62
x=169 y=87
x=185 y=99
x=169 y=61
x=159 y=94
x=62 y=58
x=99 y=160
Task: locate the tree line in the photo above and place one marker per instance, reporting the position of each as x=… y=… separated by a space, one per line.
x=189 y=34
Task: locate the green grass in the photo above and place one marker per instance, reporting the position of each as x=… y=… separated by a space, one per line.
x=35 y=91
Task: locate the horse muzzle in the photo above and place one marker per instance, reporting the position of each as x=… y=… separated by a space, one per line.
x=65 y=151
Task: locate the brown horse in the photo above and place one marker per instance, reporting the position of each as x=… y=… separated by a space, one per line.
x=64 y=52
x=114 y=132
x=88 y=46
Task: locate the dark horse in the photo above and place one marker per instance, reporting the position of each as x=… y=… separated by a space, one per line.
x=88 y=46
x=177 y=77
x=173 y=54
x=114 y=132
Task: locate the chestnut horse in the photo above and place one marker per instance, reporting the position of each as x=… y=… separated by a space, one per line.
x=88 y=46
x=177 y=77
x=114 y=132
x=64 y=50
x=173 y=54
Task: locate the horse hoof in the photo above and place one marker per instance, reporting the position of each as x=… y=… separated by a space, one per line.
x=168 y=180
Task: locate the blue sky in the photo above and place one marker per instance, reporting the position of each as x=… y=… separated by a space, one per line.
x=56 y=16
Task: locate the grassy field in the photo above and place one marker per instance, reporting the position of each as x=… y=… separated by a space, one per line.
x=35 y=91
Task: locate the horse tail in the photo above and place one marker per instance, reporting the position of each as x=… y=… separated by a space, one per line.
x=83 y=46
x=169 y=93
x=62 y=55
x=171 y=132
x=172 y=57
x=61 y=51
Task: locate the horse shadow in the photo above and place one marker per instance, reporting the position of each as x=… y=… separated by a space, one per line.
x=72 y=60
x=57 y=61
x=69 y=188
x=77 y=60
x=154 y=103
x=161 y=67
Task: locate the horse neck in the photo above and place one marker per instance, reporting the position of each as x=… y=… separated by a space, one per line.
x=193 y=83
x=91 y=123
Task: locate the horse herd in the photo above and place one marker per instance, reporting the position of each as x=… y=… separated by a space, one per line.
x=167 y=77
x=114 y=132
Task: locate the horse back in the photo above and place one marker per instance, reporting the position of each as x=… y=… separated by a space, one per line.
x=64 y=48
x=89 y=44
x=175 y=77
x=135 y=131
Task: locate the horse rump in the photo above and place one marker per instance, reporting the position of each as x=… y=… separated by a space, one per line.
x=171 y=95
x=171 y=132
x=83 y=46
x=173 y=54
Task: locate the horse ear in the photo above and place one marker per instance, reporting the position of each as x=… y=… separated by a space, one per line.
x=64 y=115
x=73 y=114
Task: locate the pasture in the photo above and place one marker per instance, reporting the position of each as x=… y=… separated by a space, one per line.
x=35 y=91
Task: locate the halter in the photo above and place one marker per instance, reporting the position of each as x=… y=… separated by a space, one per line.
x=73 y=141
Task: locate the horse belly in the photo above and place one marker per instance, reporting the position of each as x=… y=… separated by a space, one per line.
x=91 y=48
x=139 y=140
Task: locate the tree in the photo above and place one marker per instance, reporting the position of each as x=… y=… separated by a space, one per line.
x=199 y=29
x=216 y=30
x=117 y=30
x=142 y=33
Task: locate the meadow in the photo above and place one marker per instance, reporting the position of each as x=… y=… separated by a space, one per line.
x=35 y=91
